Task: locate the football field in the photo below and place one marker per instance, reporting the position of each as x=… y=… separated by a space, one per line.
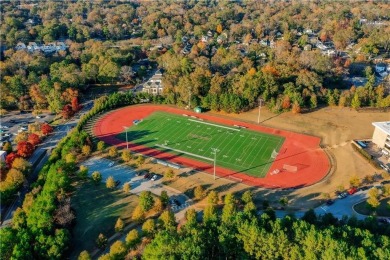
x=238 y=149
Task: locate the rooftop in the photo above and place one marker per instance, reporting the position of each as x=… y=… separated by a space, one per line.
x=384 y=126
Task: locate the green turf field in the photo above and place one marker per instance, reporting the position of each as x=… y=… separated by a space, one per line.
x=241 y=150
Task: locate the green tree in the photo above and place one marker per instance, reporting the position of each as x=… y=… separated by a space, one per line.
x=354 y=181
x=110 y=182
x=70 y=158
x=164 y=197
x=149 y=227
x=356 y=101
x=126 y=155
x=146 y=200
x=373 y=198
x=84 y=255
x=132 y=238
x=212 y=198
x=96 y=177
x=100 y=146
x=247 y=197
x=169 y=174
x=119 y=225
x=83 y=172
x=7 y=147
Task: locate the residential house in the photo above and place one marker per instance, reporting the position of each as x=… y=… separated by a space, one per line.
x=20 y=46
x=204 y=38
x=154 y=84
x=61 y=46
x=210 y=34
x=33 y=46
x=49 y=48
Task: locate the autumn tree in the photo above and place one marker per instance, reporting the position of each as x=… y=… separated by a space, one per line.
x=46 y=129
x=21 y=165
x=33 y=139
x=140 y=160
x=146 y=200
x=169 y=174
x=132 y=238
x=25 y=149
x=75 y=104
x=126 y=187
x=149 y=227
x=167 y=220
x=86 y=150
x=119 y=225
x=84 y=255
x=101 y=241
x=7 y=147
x=100 y=146
x=354 y=182
x=21 y=137
x=212 y=198
x=9 y=159
x=110 y=182
x=113 y=152
x=199 y=192
x=138 y=214
x=67 y=112
x=96 y=177
x=126 y=155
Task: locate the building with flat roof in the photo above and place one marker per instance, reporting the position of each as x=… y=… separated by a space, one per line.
x=381 y=136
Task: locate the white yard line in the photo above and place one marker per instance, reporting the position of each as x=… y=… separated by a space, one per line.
x=201 y=122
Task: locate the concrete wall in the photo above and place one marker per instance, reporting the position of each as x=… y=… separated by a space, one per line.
x=379 y=137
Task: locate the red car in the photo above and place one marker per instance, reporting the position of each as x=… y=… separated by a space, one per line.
x=352 y=191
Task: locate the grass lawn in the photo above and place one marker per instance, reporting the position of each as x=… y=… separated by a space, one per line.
x=382 y=211
x=241 y=150
x=97 y=209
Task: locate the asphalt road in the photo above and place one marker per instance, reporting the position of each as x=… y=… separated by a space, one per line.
x=36 y=159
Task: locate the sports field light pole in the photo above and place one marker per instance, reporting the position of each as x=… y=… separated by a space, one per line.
x=215 y=150
x=258 y=118
x=127 y=142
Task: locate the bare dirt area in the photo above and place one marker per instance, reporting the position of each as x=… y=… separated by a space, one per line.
x=337 y=127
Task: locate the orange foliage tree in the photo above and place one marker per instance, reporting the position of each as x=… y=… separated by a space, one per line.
x=25 y=149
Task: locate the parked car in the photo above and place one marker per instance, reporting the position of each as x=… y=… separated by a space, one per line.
x=154 y=177
x=352 y=191
x=342 y=195
x=111 y=164
x=139 y=173
x=146 y=176
x=329 y=202
x=117 y=183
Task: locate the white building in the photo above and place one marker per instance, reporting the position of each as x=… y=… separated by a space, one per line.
x=20 y=46
x=3 y=154
x=381 y=136
x=154 y=84
x=33 y=46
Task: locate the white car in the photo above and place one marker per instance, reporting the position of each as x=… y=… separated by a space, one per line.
x=39 y=117
x=154 y=177
x=111 y=164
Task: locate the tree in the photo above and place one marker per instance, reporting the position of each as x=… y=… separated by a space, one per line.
x=96 y=177
x=356 y=101
x=354 y=182
x=149 y=227
x=75 y=104
x=15 y=178
x=70 y=158
x=169 y=174
x=167 y=220
x=100 y=146
x=83 y=172
x=110 y=182
x=138 y=214
x=113 y=152
x=21 y=137
x=164 y=197
x=25 y=149
x=219 y=28
x=9 y=159
x=212 y=198
x=140 y=160
x=117 y=250
x=46 y=129
x=7 y=147
x=67 y=111
x=198 y=192
x=84 y=255
x=101 y=241
x=21 y=165
x=247 y=197
x=33 y=139
x=373 y=195
x=132 y=238
x=86 y=150
x=146 y=200
x=119 y=225
x=126 y=187
x=126 y=155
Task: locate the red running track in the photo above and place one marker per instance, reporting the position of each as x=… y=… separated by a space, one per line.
x=302 y=151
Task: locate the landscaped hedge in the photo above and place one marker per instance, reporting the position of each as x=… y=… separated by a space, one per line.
x=366 y=155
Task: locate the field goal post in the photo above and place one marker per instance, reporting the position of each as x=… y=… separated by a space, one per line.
x=290 y=168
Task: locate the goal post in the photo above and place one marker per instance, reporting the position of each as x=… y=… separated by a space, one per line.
x=274 y=154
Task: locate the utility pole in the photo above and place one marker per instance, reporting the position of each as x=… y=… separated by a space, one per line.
x=215 y=150
x=127 y=142
x=260 y=102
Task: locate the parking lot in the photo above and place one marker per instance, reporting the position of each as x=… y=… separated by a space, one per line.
x=14 y=122
x=137 y=180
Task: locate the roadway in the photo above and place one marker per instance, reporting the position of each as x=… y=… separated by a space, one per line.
x=38 y=161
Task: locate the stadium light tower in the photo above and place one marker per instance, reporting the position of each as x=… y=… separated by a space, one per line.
x=127 y=142
x=260 y=103
x=215 y=150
